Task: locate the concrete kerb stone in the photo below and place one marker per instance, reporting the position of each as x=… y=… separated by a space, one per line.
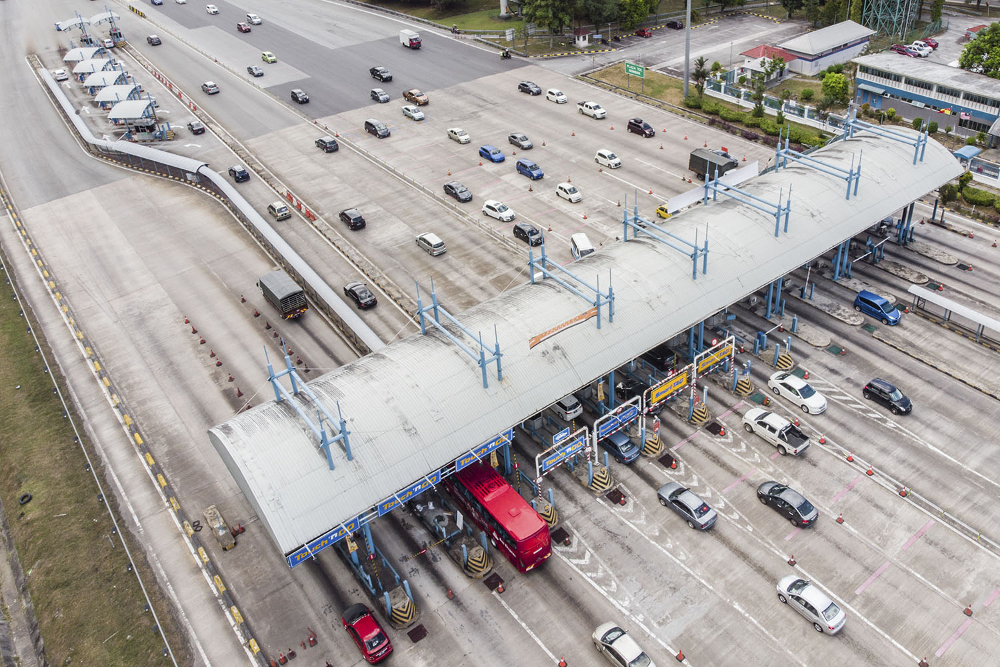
x=904 y=272
x=832 y=308
x=807 y=333
x=854 y=284
x=931 y=252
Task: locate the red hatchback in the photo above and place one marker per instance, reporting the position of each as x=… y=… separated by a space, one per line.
x=644 y=32
x=243 y=27
x=366 y=633
x=933 y=43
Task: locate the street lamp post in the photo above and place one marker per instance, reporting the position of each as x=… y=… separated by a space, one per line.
x=687 y=47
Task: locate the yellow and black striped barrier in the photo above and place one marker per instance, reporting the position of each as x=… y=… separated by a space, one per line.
x=548 y=512
x=653 y=446
x=744 y=387
x=784 y=362
x=700 y=414
x=478 y=564
x=404 y=613
x=572 y=53
x=602 y=480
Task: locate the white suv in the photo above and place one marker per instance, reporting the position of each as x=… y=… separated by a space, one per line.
x=497 y=210
x=608 y=159
x=568 y=407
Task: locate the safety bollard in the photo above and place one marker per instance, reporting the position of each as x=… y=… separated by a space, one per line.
x=607 y=461
x=777 y=351
x=812 y=288
x=485 y=542
x=590 y=472
x=795 y=322
x=788 y=344
x=465 y=554
x=552 y=499
x=406 y=587
x=690 y=407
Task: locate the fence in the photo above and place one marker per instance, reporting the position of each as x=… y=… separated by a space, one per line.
x=801 y=113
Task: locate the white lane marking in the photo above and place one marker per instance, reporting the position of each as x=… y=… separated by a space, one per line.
x=633 y=185
x=666 y=171
x=525 y=627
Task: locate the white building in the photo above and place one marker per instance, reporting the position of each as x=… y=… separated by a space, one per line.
x=815 y=51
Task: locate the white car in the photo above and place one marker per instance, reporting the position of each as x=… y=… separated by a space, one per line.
x=921 y=48
x=798 y=391
x=211 y=9
x=608 y=159
x=557 y=96
x=568 y=192
x=254 y=19
x=60 y=75
x=181 y=2
x=108 y=43
x=413 y=112
x=497 y=210
x=459 y=135
x=618 y=648
x=568 y=407
x=813 y=603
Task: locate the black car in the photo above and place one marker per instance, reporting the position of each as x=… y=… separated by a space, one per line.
x=380 y=73
x=629 y=388
x=675 y=25
x=520 y=140
x=196 y=127
x=528 y=233
x=361 y=295
x=299 y=95
x=458 y=191
x=788 y=502
x=376 y=128
x=887 y=394
x=641 y=127
x=661 y=357
x=328 y=144
x=239 y=174
x=352 y=218
x=529 y=87
x=153 y=40
x=253 y=70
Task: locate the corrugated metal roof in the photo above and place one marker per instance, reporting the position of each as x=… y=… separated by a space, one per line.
x=93 y=65
x=820 y=41
x=129 y=110
x=100 y=79
x=419 y=403
x=115 y=93
x=931 y=72
x=80 y=53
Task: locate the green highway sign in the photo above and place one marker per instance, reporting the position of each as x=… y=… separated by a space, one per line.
x=635 y=70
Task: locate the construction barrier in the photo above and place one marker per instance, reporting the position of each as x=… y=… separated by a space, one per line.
x=479 y=563
x=602 y=480
x=700 y=415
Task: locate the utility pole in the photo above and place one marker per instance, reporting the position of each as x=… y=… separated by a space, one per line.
x=687 y=48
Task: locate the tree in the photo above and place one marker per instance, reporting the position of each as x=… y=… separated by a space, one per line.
x=807 y=94
x=791 y=6
x=830 y=12
x=858 y=6
x=786 y=94
x=918 y=123
x=552 y=14
x=982 y=55
x=757 y=97
x=597 y=12
x=932 y=127
x=947 y=130
x=811 y=8
x=716 y=67
x=936 y=7
x=835 y=87
x=700 y=74
x=632 y=12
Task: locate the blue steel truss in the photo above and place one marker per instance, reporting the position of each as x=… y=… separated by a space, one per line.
x=597 y=300
x=919 y=142
x=641 y=225
x=767 y=207
x=318 y=428
x=480 y=358
x=781 y=156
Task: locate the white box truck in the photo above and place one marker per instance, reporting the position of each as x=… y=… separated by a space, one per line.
x=409 y=39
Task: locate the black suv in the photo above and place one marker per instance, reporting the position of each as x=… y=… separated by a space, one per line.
x=528 y=233
x=352 y=218
x=639 y=126
x=529 y=87
x=239 y=174
x=360 y=295
x=328 y=144
x=661 y=357
x=887 y=394
x=458 y=191
x=380 y=73
x=675 y=25
x=629 y=388
x=376 y=128
x=299 y=95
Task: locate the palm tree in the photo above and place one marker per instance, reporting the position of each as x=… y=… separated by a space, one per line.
x=700 y=74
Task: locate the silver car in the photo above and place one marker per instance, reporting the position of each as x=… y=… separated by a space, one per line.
x=813 y=603
x=618 y=648
x=692 y=509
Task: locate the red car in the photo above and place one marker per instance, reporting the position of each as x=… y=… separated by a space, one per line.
x=366 y=633
x=903 y=50
x=243 y=27
x=933 y=43
x=644 y=32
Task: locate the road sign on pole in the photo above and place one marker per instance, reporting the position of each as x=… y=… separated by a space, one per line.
x=634 y=69
x=509 y=34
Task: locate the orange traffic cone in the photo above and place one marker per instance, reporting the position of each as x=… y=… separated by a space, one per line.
x=840 y=519
x=850 y=457
x=869 y=472
x=500 y=587
x=791 y=560
x=680 y=655
x=806 y=376
x=822 y=439
x=685 y=137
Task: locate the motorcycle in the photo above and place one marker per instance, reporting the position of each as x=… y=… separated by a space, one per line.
x=505 y=55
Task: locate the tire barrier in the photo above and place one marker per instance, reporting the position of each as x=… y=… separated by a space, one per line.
x=25 y=499
x=479 y=563
x=784 y=362
x=652 y=447
x=602 y=480
x=548 y=512
x=700 y=415
x=744 y=387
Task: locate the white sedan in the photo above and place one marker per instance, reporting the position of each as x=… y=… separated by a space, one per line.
x=812 y=603
x=211 y=9
x=253 y=18
x=619 y=649
x=557 y=96
x=459 y=135
x=798 y=391
x=497 y=210
x=60 y=75
x=413 y=112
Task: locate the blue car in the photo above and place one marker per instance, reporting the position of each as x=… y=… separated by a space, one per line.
x=529 y=169
x=491 y=153
x=621 y=447
x=876 y=306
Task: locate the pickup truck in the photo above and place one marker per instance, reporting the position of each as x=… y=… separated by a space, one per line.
x=778 y=431
x=592 y=109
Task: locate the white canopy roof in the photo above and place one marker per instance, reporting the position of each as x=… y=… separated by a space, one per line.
x=116 y=93
x=129 y=110
x=75 y=22
x=101 y=79
x=80 y=53
x=93 y=65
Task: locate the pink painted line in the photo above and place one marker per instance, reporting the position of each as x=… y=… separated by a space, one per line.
x=951 y=640
x=917 y=535
x=739 y=481
x=775 y=455
x=875 y=575
x=996 y=594
x=731 y=410
x=678 y=445
x=793 y=533
x=843 y=492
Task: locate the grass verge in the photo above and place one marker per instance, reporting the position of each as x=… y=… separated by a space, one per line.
x=88 y=605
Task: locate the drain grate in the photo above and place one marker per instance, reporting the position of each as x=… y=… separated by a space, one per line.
x=491 y=582
x=757 y=398
x=870 y=328
x=834 y=349
x=615 y=496
x=667 y=461
x=933 y=286
x=714 y=428
x=560 y=535
x=417 y=633
x=798 y=372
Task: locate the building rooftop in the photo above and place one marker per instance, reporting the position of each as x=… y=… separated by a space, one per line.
x=925 y=70
x=821 y=41
x=767 y=51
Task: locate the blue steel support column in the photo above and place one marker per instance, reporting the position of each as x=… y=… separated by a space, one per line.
x=690 y=343
x=388 y=602
x=590 y=471
x=934 y=213
x=369 y=542
x=777 y=292
x=607 y=460
x=506 y=459
x=847 y=258
x=610 y=398
x=767 y=300
x=483 y=541
x=836 y=263
x=911 y=222
x=406 y=587
x=552 y=497
x=465 y=555
x=701 y=336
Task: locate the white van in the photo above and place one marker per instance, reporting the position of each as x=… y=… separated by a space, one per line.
x=279 y=210
x=568 y=192
x=568 y=408
x=608 y=159
x=580 y=245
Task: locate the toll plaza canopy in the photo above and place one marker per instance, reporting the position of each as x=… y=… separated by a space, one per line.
x=102 y=79
x=94 y=65
x=80 y=53
x=117 y=93
x=129 y=110
x=419 y=403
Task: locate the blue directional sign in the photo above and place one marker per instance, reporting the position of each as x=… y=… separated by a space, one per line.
x=557 y=457
x=628 y=414
x=608 y=427
x=411 y=491
x=322 y=542
x=482 y=450
x=560 y=436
